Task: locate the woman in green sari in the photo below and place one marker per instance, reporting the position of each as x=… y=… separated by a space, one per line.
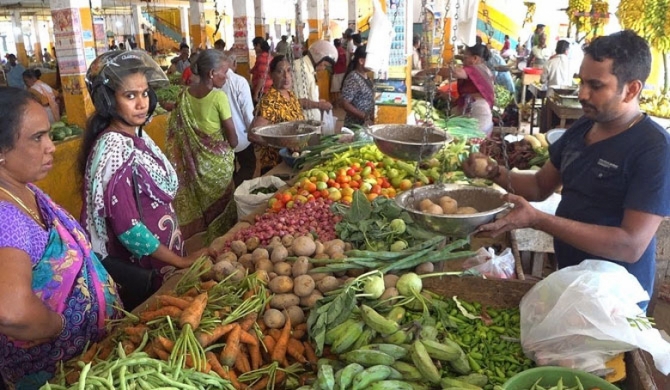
x=200 y=144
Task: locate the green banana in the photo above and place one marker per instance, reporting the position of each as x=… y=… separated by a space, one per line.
x=346 y=340
x=395 y=374
x=441 y=351
x=377 y=321
x=475 y=379
x=337 y=332
x=451 y=382
x=365 y=338
x=408 y=371
x=423 y=362
x=371 y=375
x=396 y=314
x=336 y=364
x=396 y=351
x=338 y=378
x=391 y=385
x=348 y=374
x=399 y=337
x=368 y=358
x=325 y=378
x=461 y=365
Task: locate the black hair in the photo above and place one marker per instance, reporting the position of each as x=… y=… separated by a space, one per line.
x=220 y=42
x=479 y=50
x=13 y=102
x=257 y=41
x=506 y=36
x=183 y=45
x=206 y=61
x=276 y=60
x=357 y=39
x=284 y=37
x=562 y=46
x=630 y=55
x=478 y=40
x=265 y=47
x=416 y=39
x=32 y=74
x=337 y=42
x=358 y=54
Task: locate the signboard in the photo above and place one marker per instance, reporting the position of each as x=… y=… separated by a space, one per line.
x=68 y=41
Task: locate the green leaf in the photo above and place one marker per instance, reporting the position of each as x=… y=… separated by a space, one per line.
x=360 y=208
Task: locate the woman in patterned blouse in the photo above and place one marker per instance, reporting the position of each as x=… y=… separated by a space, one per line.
x=358 y=96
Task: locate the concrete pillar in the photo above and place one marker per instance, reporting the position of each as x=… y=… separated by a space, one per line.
x=185 y=24
x=197 y=24
x=75 y=50
x=315 y=19
x=35 y=38
x=259 y=19
x=301 y=28
x=243 y=31
x=17 y=29
x=353 y=14
x=136 y=27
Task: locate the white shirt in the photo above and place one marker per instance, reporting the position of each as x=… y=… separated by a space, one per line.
x=557 y=71
x=305 y=87
x=241 y=106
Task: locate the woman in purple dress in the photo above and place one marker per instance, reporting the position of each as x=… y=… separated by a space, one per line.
x=54 y=294
x=129 y=184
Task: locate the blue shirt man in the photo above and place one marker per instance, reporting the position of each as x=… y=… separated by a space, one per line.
x=14 y=72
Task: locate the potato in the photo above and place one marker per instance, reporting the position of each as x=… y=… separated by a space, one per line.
x=355 y=272
x=389 y=293
x=226 y=256
x=434 y=209
x=274 y=319
x=248 y=263
x=300 y=266
x=424 y=268
x=338 y=255
x=327 y=284
x=311 y=299
x=321 y=256
x=218 y=245
x=287 y=240
x=348 y=246
x=320 y=276
x=239 y=273
x=272 y=275
x=245 y=257
x=296 y=315
x=303 y=246
x=260 y=253
x=425 y=204
x=466 y=210
x=224 y=267
x=480 y=165
x=276 y=240
x=303 y=285
x=319 y=247
x=208 y=267
x=336 y=242
x=283 y=268
x=238 y=247
x=262 y=276
x=282 y=301
x=279 y=253
x=390 y=280
x=252 y=243
x=449 y=205
x=265 y=264
x=281 y=285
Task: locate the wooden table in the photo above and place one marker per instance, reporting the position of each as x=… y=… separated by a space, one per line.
x=538 y=93
x=564 y=112
x=527 y=79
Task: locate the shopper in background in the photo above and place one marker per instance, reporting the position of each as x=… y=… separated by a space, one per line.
x=320 y=54
x=557 y=69
x=14 y=72
x=282 y=47
x=56 y=296
x=46 y=57
x=339 y=69
x=43 y=92
x=613 y=166
x=242 y=111
x=154 y=47
x=181 y=62
x=279 y=105
x=201 y=140
x=260 y=80
x=129 y=185
x=540 y=54
x=416 y=53
x=220 y=45
x=358 y=97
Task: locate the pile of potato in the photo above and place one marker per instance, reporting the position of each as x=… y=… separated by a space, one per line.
x=445 y=205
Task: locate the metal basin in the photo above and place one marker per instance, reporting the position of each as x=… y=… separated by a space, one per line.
x=485 y=199
x=408 y=142
x=293 y=135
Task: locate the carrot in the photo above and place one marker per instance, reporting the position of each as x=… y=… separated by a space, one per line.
x=248 y=321
x=190 y=364
x=270 y=343
x=302 y=326
x=242 y=364
x=247 y=338
x=165 y=343
x=137 y=330
x=169 y=300
x=128 y=346
x=262 y=326
x=298 y=334
x=172 y=311
x=218 y=368
x=72 y=377
x=88 y=356
x=208 y=338
x=310 y=354
x=265 y=381
x=106 y=348
x=275 y=333
x=232 y=348
x=206 y=286
x=236 y=383
x=296 y=350
x=162 y=355
x=149 y=350
x=255 y=354
x=193 y=314
x=279 y=354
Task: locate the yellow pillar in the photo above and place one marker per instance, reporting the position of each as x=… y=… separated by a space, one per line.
x=73 y=30
x=259 y=19
x=197 y=24
x=314 y=20
x=21 y=54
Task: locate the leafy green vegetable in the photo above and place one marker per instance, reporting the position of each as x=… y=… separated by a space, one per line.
x=169 y=94
x=264 y=190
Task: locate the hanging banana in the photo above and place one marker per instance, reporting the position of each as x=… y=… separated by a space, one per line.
x=576 y=13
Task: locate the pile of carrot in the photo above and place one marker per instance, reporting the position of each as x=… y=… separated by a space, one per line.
x=217 y=329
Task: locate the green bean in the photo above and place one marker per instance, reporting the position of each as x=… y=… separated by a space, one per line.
x=400 y=264
x=82 y=376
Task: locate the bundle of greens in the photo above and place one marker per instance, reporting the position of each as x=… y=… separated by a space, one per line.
x=168 y=94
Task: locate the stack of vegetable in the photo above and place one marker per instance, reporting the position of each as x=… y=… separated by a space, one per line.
x=532 y=150
x=60 y=131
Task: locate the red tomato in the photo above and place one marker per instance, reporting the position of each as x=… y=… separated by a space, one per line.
x=351 y=171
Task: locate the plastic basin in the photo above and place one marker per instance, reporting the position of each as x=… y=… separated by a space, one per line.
x=550 y=376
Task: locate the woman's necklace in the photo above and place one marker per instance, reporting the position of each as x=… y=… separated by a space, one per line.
x=30 y=211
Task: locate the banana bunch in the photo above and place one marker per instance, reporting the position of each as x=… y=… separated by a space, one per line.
x=631 y=14
x=537 y=141
x=600 y=14
x=649 y=18
x=583 y=23
x=656 y=105
x=530 y=12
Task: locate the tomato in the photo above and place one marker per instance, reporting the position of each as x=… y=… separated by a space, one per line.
x=321 y=185
x=390 y=192
x=290 y=204
x=370 y=164
x=391 y=173
x=309 y=186
x=379 y=180
x=347 y=199
x=385 y=184
x=376 y=189
x=335 y=185
x=335 y=195
x=286 y=197
x=345 y=185
x=331 y=182
x=272 y=202
x=371 y=196
x=351 y=171
x=342 y=172
x=303 y=193
x=356 y=165
x=356 y=177
x=405 y=184
x=278 y=205
x=354 y=184
x=343 y=179
x=347 y=191
x=300 y=199
x=366 y=171
x=278 y=195
x=332 y=174
x=324 y=193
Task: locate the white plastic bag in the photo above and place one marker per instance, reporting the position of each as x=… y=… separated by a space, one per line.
x=578 y=317
x=247 y=202
x=328 y=123
x=493 y=266
x=378 y=48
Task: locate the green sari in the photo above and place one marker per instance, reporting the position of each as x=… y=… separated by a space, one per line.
x=204 y=162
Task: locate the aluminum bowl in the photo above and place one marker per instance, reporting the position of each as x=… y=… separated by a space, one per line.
x=293 y=135
x=406 y=142
x=564 y=90
x=487 y=199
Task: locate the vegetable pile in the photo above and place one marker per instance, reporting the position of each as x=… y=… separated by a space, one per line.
x=532 y=150
x=168 y=94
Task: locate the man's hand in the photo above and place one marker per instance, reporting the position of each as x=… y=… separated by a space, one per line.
x=523 y=215
x=480 y=165
x=324 y=105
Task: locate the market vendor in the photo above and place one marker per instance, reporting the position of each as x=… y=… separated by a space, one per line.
x=319 y=55
x=613 y=164
x=55 y=296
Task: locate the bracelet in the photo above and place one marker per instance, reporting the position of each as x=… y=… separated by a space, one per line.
x=62 y=325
